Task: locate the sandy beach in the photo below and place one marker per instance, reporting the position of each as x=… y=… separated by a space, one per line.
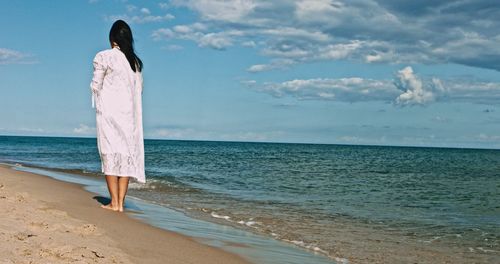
x=48 y=221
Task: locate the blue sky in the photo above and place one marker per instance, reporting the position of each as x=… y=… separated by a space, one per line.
x=384 y=72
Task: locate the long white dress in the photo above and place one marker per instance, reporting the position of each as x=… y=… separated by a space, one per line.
x=117 y=93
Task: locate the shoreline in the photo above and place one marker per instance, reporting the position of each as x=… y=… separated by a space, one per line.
x=39 y=223
x=401 y=212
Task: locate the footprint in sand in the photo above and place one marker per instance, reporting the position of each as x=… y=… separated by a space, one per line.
x=54 y=212
x=75 y=254
x=64 y=253
x=39 y=225
x=23 y=235
x=21 y=197
x=86 y=229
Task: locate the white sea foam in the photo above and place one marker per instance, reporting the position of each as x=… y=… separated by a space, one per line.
x=150 y=184
x=485 y=250
x=310 y=247
x=248 y=223
x=342 y=260
x=431 y=240
x=297 y=242
x=213 y=214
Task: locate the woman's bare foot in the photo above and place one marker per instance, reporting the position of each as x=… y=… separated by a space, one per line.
x=111 y=207
x=120 y=207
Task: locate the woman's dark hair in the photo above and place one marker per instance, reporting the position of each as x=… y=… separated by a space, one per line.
x=121 y=34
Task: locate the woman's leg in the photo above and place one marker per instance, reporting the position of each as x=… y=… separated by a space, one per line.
x=112 y=182
x=122 y=191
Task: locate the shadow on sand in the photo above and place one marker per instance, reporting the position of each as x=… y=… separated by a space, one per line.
x=102 y=200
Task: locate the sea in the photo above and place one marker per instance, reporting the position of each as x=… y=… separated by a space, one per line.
x=317 y=203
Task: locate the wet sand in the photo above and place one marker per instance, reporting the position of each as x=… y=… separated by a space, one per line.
x=43 y=220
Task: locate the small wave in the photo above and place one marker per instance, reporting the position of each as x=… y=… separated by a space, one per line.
x=150 y=184
x=153 y=184
x=258 y=226
x=313 y=248
x=213 y=214
x=481 y=249
x=342 y=260
x=247 y=223
x=485 y=250
x=162 y=185
x=431 y=240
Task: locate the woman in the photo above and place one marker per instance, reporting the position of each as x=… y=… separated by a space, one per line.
x=117 y=90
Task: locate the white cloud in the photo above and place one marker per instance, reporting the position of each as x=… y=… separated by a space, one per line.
x=362 y=140
x=219 y=40
x=164 y=5
x=320 y=11
x=141 y=19
x=162 y=33
x=249 y=44
x=414 y=91
x=249 y=83
x=290 y=32
x=196 y=32
x=275 y=64
x=219 y=10
x=283 y=50
x=344 y=89
x=174 y=133
x=83 y=129
x=483 y=137
x=259 y=67
x=145 y=11
x=9 y=56
x=338 y=51
x=32 y=130
x=406 y=89
x=140 y=16
x=131 y=8
x=250 y=136
x=373 y=58
x=372 y=31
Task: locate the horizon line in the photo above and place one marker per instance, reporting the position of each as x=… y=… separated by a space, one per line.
x=273 y=142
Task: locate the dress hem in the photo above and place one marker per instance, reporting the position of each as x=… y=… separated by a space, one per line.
x=122 y=175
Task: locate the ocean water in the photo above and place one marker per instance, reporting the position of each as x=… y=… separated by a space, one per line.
x=351 y=203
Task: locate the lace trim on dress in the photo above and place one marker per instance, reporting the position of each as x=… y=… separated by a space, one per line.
x=118 y=164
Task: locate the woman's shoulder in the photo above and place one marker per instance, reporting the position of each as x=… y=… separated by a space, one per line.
x=106 y=56
x=104 y=53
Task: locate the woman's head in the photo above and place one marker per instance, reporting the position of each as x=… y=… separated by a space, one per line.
x=121 y=34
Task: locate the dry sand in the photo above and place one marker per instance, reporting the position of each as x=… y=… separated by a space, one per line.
x=43 y=220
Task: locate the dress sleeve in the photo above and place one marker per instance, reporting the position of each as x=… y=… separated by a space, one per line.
x=98 y=78
x=141 y=82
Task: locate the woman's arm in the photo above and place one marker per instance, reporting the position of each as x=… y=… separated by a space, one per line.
x=98 y=77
